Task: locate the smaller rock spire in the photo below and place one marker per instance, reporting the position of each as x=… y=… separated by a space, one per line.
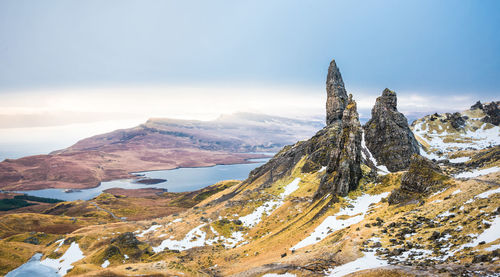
x=387 y=134
x=344 y=165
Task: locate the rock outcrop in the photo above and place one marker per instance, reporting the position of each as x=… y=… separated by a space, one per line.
x=336 y=94
x=344 y=165
x=387 y=134
x=337 y=146
x=423 y=176
x=492 y=113
x=456 y=120
x=476 y=106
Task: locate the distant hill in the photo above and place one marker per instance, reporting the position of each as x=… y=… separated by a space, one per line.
x=160 y=143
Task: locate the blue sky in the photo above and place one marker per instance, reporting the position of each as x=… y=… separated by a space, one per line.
x=447 y=52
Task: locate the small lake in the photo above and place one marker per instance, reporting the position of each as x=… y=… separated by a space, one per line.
x=178 y=180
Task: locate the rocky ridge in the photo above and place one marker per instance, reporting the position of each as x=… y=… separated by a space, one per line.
x=442 y=135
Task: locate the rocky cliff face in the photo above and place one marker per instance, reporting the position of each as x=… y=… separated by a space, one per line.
x=336 y=94
x=344 y=165
x=388 y=135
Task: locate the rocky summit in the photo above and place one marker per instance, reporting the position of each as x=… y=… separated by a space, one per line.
x=387 y=134
x=336 y=94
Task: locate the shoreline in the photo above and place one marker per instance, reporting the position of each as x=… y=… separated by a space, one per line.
x=206 y=161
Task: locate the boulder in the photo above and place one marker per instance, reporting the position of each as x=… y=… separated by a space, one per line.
x=422 y=177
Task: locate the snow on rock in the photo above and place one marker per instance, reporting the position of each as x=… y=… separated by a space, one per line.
x=368 y=261
x=105 y=264
x=322 y=169
x=63 y=264
x=177 y=220
x=270 y=206
x=361 y=205
x=279 y=275
x=150 y=229
x=456 y=192
x=382 y=169
x=476 y=173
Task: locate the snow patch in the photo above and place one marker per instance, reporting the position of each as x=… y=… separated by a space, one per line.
x=270 y=206
x=476 y=173
x=194 y=238
x=489 y=235
x=33 y=268
x=105 y=264
x=150 y=229
x=360 y=207
x=63 y=264
x=459 y=160
x=368 y=261
x=487 y=193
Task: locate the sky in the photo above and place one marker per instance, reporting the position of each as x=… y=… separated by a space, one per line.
x=69 y=62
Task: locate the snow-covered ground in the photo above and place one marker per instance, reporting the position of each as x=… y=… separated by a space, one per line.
x=279 y=275
x=64 y=263
x=489 y=235
x=368 y=261
x=196 y=238
x=361 y=206
x=485 y=194
x=270 y=206
x=459 y=160
x=33 y=268
x=150 y=229
x=478 y=172
x=480 y=138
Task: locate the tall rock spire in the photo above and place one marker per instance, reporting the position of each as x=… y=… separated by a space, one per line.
x=387 y=134
x=336 y=94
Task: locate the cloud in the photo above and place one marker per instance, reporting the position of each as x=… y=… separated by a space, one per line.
x=81 y=105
